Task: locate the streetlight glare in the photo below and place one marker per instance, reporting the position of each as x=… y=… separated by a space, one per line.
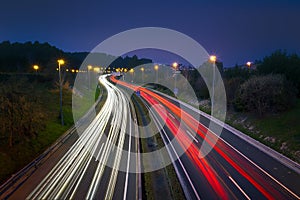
x=61 y=61
x=175 y=64
x=213 y=58
x=248 y=64
x=97 y=69
x=35 y=67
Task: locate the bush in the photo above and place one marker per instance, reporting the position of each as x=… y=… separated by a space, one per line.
x=279 y=62
x=265 y=94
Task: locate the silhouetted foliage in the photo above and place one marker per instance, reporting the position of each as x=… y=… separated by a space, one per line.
x=265 y=94
x=18 y=57
x=129 y=62
x=20 y=114
x=280 y=62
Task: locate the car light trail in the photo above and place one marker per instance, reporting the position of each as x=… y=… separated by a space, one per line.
x=249 y=170
x=102 y=141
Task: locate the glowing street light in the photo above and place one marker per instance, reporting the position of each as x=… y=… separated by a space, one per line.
x=156 y=67
x=143 y=69
x=213 y=59
x=249 y=64
x=60 y=62
x=175 y=66
x=89 y=68
x=97 y=69
x=36 y=68
x=131 y=71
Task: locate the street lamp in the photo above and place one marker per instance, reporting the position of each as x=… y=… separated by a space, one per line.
x=89 y=68
x=142 y=69
x=156 y=69
x=213 y=59
x=249 y=64
x=60 y=62
x=36 y=68
x=175 y=65
x=132 y=73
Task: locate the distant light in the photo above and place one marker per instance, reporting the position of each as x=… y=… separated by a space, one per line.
x=249 y=64
x=156 y=67
x=142 y=69
x=73 y=70
x=131 y=70
x=97 y=69
x=61 y=61
x=90 y=67
x=67 y=70
x=175 y=64
x=213 y=58
x=35 y=67
x=77 y=70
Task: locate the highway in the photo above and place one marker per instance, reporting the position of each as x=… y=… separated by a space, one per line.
x=96 y=166
x=233 y=169
x=104 y=161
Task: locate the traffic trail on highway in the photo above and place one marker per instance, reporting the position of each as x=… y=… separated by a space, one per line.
x=225 y=172
x=83 y=172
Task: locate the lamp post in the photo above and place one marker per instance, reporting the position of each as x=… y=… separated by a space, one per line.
x=175 y=65
x=156 y=69
x=213 y=59
x=60 y=62
x=36 y=68
x=89 y=68
x=249 y=65
x=125 y=71
x=132 y=73
x=142 y=69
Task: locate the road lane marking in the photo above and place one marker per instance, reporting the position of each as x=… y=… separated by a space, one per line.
x=128 y=161
x=192 y=136
x=252 y=162
x=177 y=157
x=171 y=115
x=235 y=183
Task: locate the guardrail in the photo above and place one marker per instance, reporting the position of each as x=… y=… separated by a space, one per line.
x=13 y=183
x=267 y=150
x=21 y=176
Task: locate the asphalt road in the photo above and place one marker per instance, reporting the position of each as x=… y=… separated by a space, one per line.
x=97 y=164
x=233 y=169
x=87 y=166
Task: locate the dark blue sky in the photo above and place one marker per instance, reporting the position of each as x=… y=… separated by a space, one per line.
x=237 y=31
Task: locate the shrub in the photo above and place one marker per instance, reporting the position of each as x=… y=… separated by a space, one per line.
x=265 y=94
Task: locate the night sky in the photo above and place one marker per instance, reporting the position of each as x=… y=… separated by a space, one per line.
x=236 y=31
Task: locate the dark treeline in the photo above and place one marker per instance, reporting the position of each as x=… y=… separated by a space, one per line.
x=269 y=86
x=129 y=62
x=22 y=112
x=20 y=57
x=272 y=87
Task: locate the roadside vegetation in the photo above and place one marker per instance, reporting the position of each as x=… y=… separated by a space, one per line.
x=262 y=100
x=29 y=119
x=29 y=99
